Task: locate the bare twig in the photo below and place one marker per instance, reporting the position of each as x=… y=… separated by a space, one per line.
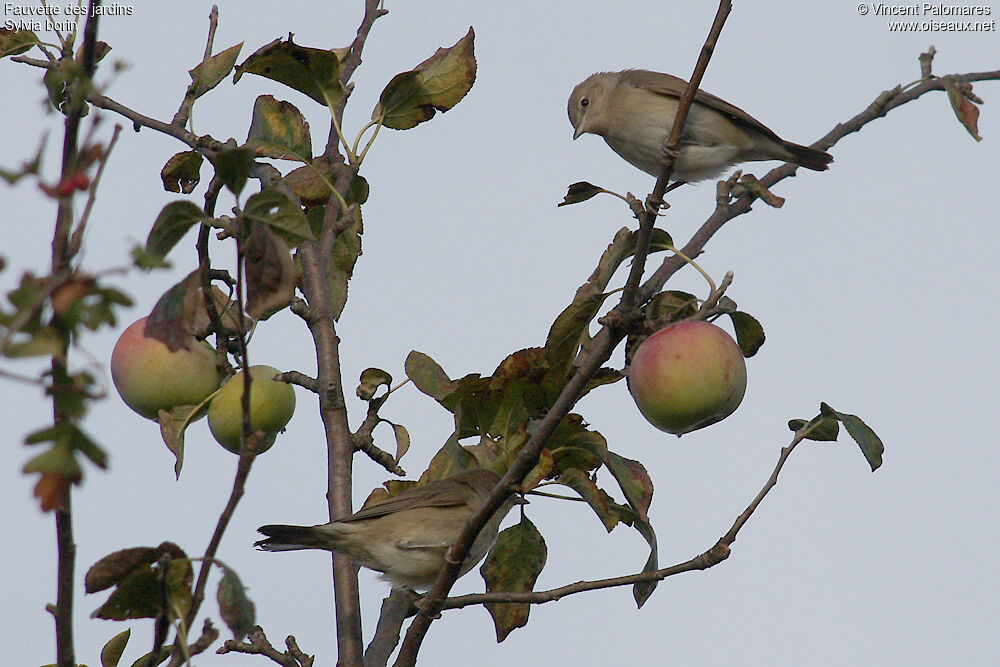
x=76 y=240
x=713 y=556
x=257 y=644
x=184 y=111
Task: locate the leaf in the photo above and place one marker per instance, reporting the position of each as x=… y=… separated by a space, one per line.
x=452 y=458
x=210 y=72
x=402 y=440
x=279 y=130
x=271 y=208
x=173 y=422
x=566 y=334
x=437 y=84
x=371 y=379
x=58 y=460
x=822 y=428
x=749 y=332
x=313 y=72
x=643 y=589
x=112 y=651
x=236 y=609
x=114 y=567
x=346 y=250
x=182 y=172
x=428 y=376
x=52 y=491
x=634 y=482
x=16 y=42
x=161 y=657
x=598 y=500
x=173 y=222
x=233 y=167
x=871 y=445
x=965 y=110
x=543 y=468
x=271 y=273
x=581 y=191
x=311 y=183
x=513 y=565
x=140 y=594
x=172 y=319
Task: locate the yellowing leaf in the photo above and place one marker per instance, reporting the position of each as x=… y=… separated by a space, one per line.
x=437 y=84
x=279 y=130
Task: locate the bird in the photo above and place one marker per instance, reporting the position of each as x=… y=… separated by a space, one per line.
x=633 y=110
x=405 y=537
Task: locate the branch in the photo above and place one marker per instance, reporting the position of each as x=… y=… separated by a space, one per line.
x=259 y=645
x=396 y=608
x=709 y=558
x=62 y=258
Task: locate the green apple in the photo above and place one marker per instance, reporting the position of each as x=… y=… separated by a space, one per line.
x=149 y=377
x=686 y=376
x=271 y=406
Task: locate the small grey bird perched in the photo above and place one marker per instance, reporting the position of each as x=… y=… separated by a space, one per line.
x=634 y=110
x=405 y=537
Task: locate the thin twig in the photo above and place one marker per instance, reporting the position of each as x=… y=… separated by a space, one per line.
x=76 y=240
x=709 y=558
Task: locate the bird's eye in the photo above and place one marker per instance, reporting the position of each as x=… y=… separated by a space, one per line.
x=584 y=102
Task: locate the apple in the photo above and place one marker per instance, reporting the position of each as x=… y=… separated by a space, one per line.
x=149 y=377
x=686 y=376
x=271 y=406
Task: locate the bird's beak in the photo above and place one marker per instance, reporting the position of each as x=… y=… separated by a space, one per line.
x=580 y=130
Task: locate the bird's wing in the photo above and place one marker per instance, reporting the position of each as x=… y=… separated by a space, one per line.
x=672 y=86
x=431 y=494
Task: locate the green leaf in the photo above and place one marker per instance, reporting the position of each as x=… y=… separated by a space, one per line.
x=112 y=651
x=452 y=458
x=271 y=208
x=581 y=191
x=437 y=84
x=209 y=73
x=643 y=589
x=749 y=332
x=16 y=42
x=822 y=428
x=428 y=376
x=569 y=329
x=599 y=501
x=634 y=482
x=346 y=250
x=371 y=379
x=233 y=167
x=513 y=565
x=116 y=566
x=871 y=445
x=161 y=657
x=58 y=459
x=236 y=609
x=173 y=222
x=313 y=72
x=279 y=130
x=45 y=343
x=182 y=172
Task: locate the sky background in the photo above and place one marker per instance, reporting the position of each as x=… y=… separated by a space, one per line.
x=873 y=284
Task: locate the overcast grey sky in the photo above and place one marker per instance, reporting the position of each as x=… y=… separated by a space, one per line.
x=875 y=284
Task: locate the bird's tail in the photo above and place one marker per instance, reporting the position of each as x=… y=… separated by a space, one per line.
x=288 y=538
x=810 y=158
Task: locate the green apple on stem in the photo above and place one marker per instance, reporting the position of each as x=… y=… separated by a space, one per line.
x=687 y=376
x=150 y=377
x=272 y=404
